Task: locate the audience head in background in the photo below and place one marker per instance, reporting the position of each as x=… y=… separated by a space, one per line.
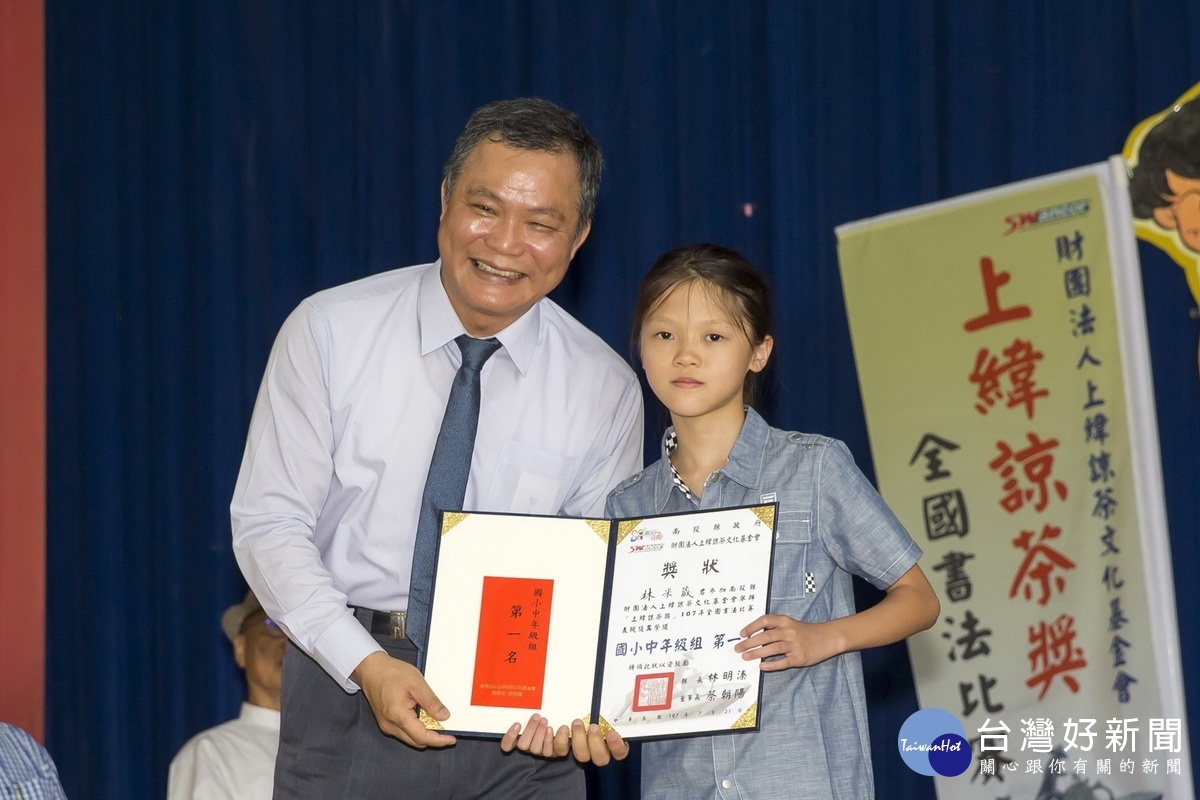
x=258 y=647
x=236 y=759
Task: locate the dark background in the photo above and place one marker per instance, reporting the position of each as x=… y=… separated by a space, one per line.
x=211 y=164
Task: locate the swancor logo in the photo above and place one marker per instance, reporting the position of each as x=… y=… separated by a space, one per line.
x=933 y=742
x=1025 y=220
x=640 y=541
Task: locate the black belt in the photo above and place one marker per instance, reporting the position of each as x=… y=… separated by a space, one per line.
x=382 y=623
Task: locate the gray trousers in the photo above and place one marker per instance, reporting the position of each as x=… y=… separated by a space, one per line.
x=331 y=747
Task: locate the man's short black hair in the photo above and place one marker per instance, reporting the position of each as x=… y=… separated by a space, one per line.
x=531 y=123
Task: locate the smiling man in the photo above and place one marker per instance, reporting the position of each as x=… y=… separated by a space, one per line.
x=348 y=420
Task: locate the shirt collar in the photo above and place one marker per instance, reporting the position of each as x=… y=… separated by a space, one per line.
x=259 y=716
x=670 y=442
x=439 y=324
x=749 y=451
x=745 y=458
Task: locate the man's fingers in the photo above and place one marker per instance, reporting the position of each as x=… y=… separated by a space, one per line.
x=429 y=702
x=596 y=746
x=579 y=742
x=509 y=740
x=616 y=745
x=402 y=735
x=417 y=735
x=392 y=729
x=394 y=689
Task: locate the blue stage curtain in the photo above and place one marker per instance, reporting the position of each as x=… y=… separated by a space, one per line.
x=212 y=163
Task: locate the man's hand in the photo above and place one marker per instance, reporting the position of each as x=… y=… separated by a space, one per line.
x=394 y=689
x=800 y=644
x=585 y=744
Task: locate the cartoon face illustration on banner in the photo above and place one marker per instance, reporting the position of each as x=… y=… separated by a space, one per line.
x=1163 y=155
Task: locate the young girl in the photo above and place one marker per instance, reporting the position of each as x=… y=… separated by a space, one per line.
x=702 y=330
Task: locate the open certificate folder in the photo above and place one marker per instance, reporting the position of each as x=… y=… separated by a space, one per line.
x=629 y=623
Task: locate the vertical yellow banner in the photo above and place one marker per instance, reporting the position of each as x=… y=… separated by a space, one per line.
x=987 y=335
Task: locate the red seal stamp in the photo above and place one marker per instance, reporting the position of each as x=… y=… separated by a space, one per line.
x=652 y=691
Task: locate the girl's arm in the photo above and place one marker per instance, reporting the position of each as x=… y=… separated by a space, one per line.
x=909 y=606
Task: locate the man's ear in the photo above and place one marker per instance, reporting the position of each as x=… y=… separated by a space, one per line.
x=443 y=198
x=583 y=234
x=239 y=650
x=1165 y=218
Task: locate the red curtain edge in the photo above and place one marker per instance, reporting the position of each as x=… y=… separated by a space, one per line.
x=23 y=365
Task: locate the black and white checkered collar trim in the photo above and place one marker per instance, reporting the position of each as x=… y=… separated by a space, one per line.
x=671 y=443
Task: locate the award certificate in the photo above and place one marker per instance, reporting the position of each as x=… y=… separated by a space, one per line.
x=629 y=623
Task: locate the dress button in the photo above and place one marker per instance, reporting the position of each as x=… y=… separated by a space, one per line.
x=725 y=784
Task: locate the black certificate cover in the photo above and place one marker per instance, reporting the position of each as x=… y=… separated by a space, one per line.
x=627 y=622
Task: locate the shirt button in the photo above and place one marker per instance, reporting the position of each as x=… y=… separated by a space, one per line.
x=726 y=784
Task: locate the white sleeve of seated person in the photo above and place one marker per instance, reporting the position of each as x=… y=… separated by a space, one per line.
x=198 y=775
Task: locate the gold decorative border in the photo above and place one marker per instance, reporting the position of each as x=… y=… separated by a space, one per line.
x=602 y=527
x=429 y=722
x=452 y=518
x=626 y=527
x=605 y=725
x=766 y=514
x=748 y=719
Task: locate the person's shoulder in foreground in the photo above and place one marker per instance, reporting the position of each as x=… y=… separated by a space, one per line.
x=26 y=769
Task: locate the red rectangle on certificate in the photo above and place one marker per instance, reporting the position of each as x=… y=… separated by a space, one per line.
x=510 y=655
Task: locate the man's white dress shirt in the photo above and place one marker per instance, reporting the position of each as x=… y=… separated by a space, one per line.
x=327 y=501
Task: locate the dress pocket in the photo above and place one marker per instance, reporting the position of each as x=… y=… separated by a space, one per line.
x=793 y=537
x=530 y=481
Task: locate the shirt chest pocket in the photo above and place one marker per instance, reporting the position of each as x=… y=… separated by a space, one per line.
x=793 y=538
x=530 y=481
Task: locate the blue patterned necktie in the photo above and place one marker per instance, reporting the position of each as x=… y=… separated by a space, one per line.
x=446 y=484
